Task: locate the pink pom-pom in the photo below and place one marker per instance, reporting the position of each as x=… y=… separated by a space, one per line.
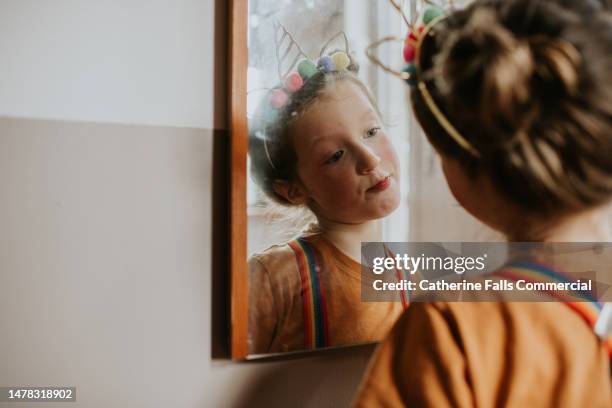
x=278 y=98
x=293 y=82
x=408 y=53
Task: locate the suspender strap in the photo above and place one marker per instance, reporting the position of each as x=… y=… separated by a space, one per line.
x=584 y=303
x=316 y=327
x=399 y=276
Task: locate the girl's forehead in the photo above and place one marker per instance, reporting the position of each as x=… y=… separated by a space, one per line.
x=341 y=102
x=345 y=93
x=337 y=115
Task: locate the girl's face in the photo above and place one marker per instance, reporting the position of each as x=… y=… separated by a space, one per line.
x=346 y=164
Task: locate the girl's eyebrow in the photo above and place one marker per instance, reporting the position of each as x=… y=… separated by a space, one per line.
x=366 y=115
x=317 y=140
x=369 y=113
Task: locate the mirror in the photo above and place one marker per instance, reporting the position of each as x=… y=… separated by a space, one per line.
x=334 y=159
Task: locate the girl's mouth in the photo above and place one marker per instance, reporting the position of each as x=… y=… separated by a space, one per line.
x=381 y=185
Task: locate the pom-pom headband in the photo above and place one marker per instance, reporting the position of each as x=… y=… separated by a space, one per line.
x=412 y=74
x=294 y=74
x=301 y=67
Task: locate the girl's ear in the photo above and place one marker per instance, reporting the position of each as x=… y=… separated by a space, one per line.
x=291 y=191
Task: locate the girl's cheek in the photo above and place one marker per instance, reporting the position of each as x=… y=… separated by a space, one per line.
x=336 y=186
x=389 y=154
x=326 y=181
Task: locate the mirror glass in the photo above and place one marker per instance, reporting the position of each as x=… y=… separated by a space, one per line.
x=334 y=159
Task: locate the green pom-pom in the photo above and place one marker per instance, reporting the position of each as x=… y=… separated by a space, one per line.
x=306 y=68
x=410 y=69
x=431 y=13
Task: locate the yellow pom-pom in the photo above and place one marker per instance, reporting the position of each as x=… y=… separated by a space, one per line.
x=341 y=60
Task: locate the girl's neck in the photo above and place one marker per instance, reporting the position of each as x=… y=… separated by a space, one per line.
x=587 y=226
x=348 y=237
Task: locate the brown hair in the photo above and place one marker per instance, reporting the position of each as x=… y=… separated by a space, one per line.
x=528 y=83
x=272 y=130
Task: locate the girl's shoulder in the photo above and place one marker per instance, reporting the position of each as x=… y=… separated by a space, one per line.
x=284 y=253
x=275 y=254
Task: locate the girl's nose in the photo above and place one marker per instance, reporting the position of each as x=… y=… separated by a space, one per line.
x=368 y=160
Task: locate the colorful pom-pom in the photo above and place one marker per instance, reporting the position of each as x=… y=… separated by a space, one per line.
x=411 y=38
x=278 y=98
x=409 y=51
x=341 y=60
x=293 y=82
x=306 y=68
x=410 y=69
x=431 y=13
x=326 y=64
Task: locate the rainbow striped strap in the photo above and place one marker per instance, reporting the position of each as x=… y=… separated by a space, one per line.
x=399 y=276
x=589 y=308
x=316 y=327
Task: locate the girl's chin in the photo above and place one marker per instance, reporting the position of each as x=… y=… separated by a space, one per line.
x=389 y=204
x=375 y=213
x=371 y=211
x=383 y=207
x=388 y=210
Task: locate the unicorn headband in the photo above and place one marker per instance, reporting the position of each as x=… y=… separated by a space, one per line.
x=412 y=73
x=293 y=75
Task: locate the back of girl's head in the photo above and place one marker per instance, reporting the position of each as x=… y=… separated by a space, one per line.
x=529 y=84
x=271 y=148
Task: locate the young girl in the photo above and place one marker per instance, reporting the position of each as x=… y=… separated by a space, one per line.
x=516 y=97
x=320 y=144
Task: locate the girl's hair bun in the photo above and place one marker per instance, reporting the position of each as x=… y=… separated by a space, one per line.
x=558 y=63
x=485 y=71
x=527 y=83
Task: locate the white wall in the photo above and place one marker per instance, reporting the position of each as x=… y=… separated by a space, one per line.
x=134 y=61
x=106 y=212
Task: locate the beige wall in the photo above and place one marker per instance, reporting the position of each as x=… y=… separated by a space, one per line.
x=112 y=209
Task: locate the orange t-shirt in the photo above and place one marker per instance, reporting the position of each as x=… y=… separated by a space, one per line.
x=488 y=354
x=276 y=300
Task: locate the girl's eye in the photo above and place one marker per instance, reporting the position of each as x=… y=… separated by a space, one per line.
x=372 y=132
x=335 y=157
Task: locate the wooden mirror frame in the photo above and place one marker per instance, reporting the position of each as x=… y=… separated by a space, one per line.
x=238 y=128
